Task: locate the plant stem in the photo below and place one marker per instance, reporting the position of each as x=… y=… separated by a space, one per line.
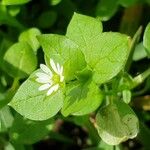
x=140 y=78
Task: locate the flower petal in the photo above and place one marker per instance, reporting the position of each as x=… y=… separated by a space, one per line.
x=44 y=77
x=53 y=89
x=61 y=69
x=61 y=78
x=58 y=68
x=44 y=87
x=45 y=69
x=43 y=80
x=53 y=66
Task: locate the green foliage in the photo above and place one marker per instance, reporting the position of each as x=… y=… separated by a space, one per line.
x=64 y=51
x=6 y=119
x=35 y=105
x=117 y=123
x=47 y=19
x=25 y=131
x=14 y=2
x=81 y=98
x=19 y=60
x=29 y=36
x=146 y=41
x=59 y=81
x=106 y=9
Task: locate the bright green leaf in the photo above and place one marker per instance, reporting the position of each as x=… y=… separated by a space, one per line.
x=19 y=60
x=106 y=53
x=14 y=2
x=29 y=36
x=146 y=39
x=117 y=123
x=63 y=51
x=28 y=132
x=126 y=96
x=83 y=28
x=109 y=54
x=81 y=98
x=139 y=52
x=34 y=104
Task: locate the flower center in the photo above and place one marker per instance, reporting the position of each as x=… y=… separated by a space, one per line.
x=56 y=78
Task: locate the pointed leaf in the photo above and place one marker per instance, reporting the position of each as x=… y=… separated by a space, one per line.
x=34 y=104
x=81 y=98
x=63 y=51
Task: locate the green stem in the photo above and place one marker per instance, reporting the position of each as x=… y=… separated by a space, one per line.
x=140 y=78
x=107 y=97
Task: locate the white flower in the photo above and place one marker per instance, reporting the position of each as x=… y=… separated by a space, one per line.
x=51 y=79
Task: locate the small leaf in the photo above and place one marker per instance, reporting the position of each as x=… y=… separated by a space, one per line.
x=47 y=19
x=6 y=119
x=28 y=132
x=146 y=39
x=29 y=36
x=14 y=10
x=34 y=104
x=117 y=123
x=14 y=2
x=6 y=18
x=128 y=3
x=54 y=2
x=19 y=60
x=106 y=9
x=126 y=94
x=139 y=52
x=63 y=51
x=81 y=98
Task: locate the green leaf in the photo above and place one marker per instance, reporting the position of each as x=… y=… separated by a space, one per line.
x=109 y=54
x=29 y=36
x=6 y=18
x=81 y=98
x=63 y=51
x=14 y=10
x=126 y=96
x=14 y=2
x=34 y=104
x=47 y=19
x=9 y=146
x=128 y=3
x=139 y=52
x=5 y=44
x=19 y=60
x=26 y=131
x=6 y=119
x=83 y=28
x=106 y=9
x=146 y=39
x=117 y=123
x=106 y=53
x=54 y=2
